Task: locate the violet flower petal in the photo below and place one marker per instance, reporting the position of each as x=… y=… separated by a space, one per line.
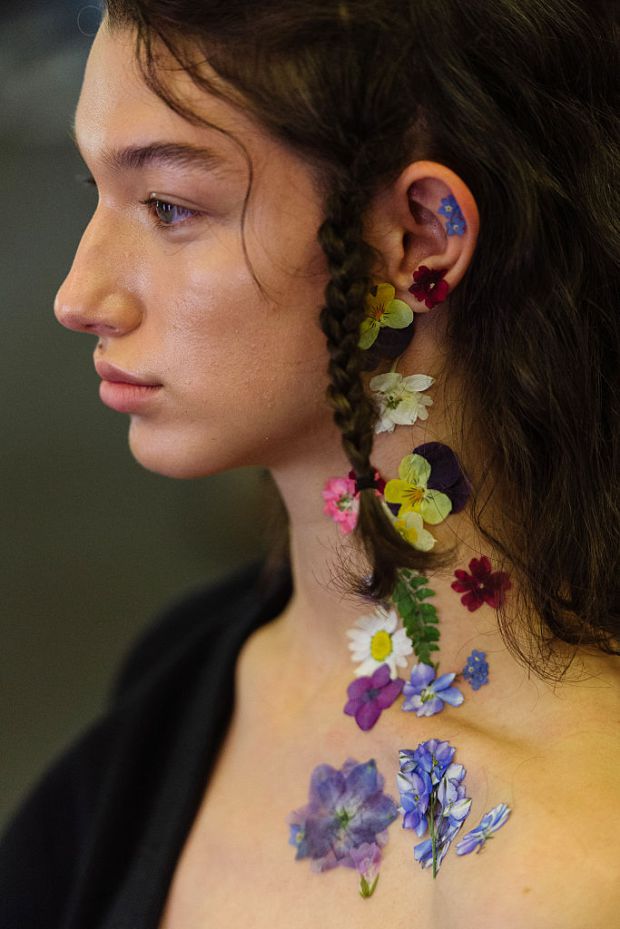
x=367 y=715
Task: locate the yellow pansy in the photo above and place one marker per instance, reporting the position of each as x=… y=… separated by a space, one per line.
x=382 y=309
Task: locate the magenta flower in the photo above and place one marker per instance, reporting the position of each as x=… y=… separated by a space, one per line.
x=341 y=502
x=369 y=696
x=481 y=586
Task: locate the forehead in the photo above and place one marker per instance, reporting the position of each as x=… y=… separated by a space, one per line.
x=116 y=106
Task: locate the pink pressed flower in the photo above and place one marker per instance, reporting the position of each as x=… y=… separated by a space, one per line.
x=481 y=586
x=341 y=502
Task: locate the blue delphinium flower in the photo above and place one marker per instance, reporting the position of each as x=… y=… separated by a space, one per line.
x=346 y=809
x=451 y=210
x=425 y=695
x=415 y=789
x=476 y=670
x=433 y=797
x=477 y=837
x=431 y=756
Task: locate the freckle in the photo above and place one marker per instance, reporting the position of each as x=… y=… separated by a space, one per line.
x=526 y=890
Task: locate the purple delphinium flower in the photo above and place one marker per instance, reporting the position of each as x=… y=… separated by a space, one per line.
x=425 y=695
x=476 y=670
x=476 y=838
x=446 y=473
x=369 y=696
x=347 y=808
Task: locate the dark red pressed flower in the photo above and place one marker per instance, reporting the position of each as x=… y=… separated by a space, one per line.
x=429 y=286
x=481 y=586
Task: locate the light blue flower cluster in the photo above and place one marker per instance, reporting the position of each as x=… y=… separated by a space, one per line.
x=476 y=669
x=449 y=208
x=432 y=795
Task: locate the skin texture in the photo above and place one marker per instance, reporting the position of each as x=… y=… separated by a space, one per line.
x=243 y=375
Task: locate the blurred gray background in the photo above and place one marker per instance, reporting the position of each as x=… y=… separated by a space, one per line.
x=92 y=545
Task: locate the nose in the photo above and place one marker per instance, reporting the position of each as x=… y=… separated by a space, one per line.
x=96 y=297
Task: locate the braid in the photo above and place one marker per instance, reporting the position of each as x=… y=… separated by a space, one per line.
x=349 y=260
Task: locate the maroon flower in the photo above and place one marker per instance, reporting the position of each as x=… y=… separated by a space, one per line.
x=429 y=286
x=369 y=696
x=482 y=585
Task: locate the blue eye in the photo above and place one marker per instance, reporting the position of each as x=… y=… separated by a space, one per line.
x=163 y=213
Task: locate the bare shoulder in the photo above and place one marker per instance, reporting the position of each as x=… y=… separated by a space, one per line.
x=558 y=863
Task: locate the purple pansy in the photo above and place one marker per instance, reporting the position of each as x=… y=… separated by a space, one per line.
x=476 y=670
x=369 y=696
x=347 y=809
x=426 y=696
x=477 y=837
x=446 y=473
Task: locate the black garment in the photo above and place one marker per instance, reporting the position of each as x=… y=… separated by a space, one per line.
x=95 y=843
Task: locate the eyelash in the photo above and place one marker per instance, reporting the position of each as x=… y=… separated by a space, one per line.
x=152 y=203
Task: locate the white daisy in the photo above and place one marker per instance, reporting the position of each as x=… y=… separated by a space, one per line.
x=376 y=641
x=400 y=399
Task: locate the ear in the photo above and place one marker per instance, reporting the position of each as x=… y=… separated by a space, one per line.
x=415 y=221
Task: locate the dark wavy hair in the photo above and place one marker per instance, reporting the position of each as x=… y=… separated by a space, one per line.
x=516 y=97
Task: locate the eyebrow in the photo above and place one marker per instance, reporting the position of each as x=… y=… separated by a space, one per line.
x=177 y=154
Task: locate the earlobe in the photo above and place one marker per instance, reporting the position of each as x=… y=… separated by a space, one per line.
x=439 y=227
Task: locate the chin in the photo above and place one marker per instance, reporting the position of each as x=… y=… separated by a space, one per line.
x=176 y=456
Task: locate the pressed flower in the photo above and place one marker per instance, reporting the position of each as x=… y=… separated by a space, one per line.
x=411 y=527
x=449 y=208
x=432 y=796
x=428 y=286
x=426 y=696
x=411 y=491
x=431 y=756
x=382 y=309
x=446 y=473
x=415 y=790
x=346 y=810
x=476 y=838
x=455 y=806
x=482 y=585
x=400 y=399
x=341 y=502
x=369 y=696
x=375 y=640
x=366 y=860
x=476 y=670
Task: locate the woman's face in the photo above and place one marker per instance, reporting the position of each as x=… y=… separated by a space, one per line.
x=241 y=374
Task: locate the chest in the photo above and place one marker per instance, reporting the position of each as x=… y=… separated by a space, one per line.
x=238 y=868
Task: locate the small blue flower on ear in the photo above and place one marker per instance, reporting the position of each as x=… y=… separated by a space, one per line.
x=449 y=208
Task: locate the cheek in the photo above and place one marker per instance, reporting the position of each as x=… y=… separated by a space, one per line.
x=246 y=376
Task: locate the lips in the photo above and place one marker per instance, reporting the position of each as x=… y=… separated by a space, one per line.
x=109 y=372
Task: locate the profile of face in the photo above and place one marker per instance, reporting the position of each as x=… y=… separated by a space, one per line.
x=165 y=276
x=167 y=290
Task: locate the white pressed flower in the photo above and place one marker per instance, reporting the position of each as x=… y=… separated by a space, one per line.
x=400 y=399
x=376 y=641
